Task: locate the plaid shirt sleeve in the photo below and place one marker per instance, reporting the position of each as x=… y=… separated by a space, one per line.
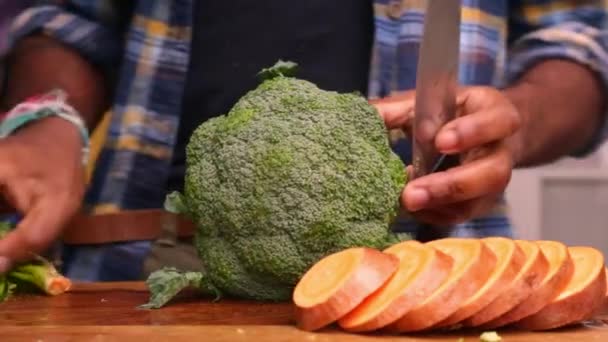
x=574 y=30
x=91 y=27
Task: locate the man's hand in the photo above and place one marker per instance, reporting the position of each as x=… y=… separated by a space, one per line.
x=41 y=174
x=481 y=135
x=42 y=177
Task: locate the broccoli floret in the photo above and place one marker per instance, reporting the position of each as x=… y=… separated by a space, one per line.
x=289 y=175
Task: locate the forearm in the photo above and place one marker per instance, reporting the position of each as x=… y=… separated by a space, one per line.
x=562 y=106
x=39 y=64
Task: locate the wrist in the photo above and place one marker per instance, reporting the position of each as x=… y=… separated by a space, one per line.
x=41 y=108
x=51 y=129
x=520 y=97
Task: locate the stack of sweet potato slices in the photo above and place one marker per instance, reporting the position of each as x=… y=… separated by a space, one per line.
x=449 y=283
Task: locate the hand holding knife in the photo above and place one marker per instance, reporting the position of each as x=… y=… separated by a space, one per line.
x=480 y=122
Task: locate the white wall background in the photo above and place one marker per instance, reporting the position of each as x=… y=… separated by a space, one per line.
x=565 y=201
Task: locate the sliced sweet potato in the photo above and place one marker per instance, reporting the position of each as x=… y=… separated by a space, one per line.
x=473 y=263
x=606 y=298
x=528 y=278
x=422 y=269
x=560 y=271
x=339 y=282
x=579 y=299
x=606 y=269
x=510 y=259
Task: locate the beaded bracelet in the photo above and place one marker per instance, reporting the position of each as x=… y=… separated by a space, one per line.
x=42 y=106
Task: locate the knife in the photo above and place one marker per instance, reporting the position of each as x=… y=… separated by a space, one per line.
x=436 y=84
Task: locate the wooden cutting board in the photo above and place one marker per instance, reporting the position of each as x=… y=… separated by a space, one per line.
x=108 y=312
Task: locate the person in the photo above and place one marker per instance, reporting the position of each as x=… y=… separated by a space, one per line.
x=8 y=10
x=533 y=75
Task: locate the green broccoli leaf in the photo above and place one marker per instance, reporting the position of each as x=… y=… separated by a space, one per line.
x=281 y=68
x=166 y=283
x=175 y=203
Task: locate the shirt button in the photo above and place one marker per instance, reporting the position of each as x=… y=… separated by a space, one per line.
x=393 y=10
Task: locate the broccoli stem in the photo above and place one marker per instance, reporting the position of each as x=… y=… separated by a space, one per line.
x=38 y=275
x=41 y=275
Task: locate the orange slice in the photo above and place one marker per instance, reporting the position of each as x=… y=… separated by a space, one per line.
x=339 y=282
x=510 y=259
x=526 y=281
x=422 y=269
x=473 y=263
x=580 y=299
x=559 y=273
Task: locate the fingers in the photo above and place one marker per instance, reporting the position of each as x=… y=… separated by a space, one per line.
x=485 y=116
x=469 y=181
x=5 y=202
x=36 y=232
x=396 y=110
x=485 y=121
x=457 y=212
x=15 y=199
x=448 y=215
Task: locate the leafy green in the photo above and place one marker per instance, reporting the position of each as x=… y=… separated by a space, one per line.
x=174 y=203
x=281 y=68
x=167 y=282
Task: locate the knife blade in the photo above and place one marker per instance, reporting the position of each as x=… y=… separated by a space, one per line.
x=436 y=84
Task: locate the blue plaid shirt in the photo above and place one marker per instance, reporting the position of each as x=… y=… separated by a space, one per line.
x=148 y=52
x=8 y=9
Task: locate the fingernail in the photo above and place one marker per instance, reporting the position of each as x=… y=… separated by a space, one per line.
x=417 y=199
x=5 y=265
x=448 y=141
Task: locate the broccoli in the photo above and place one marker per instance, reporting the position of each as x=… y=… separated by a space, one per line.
x=289 y=175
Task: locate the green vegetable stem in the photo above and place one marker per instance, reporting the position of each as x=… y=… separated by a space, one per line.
x=37 y=275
